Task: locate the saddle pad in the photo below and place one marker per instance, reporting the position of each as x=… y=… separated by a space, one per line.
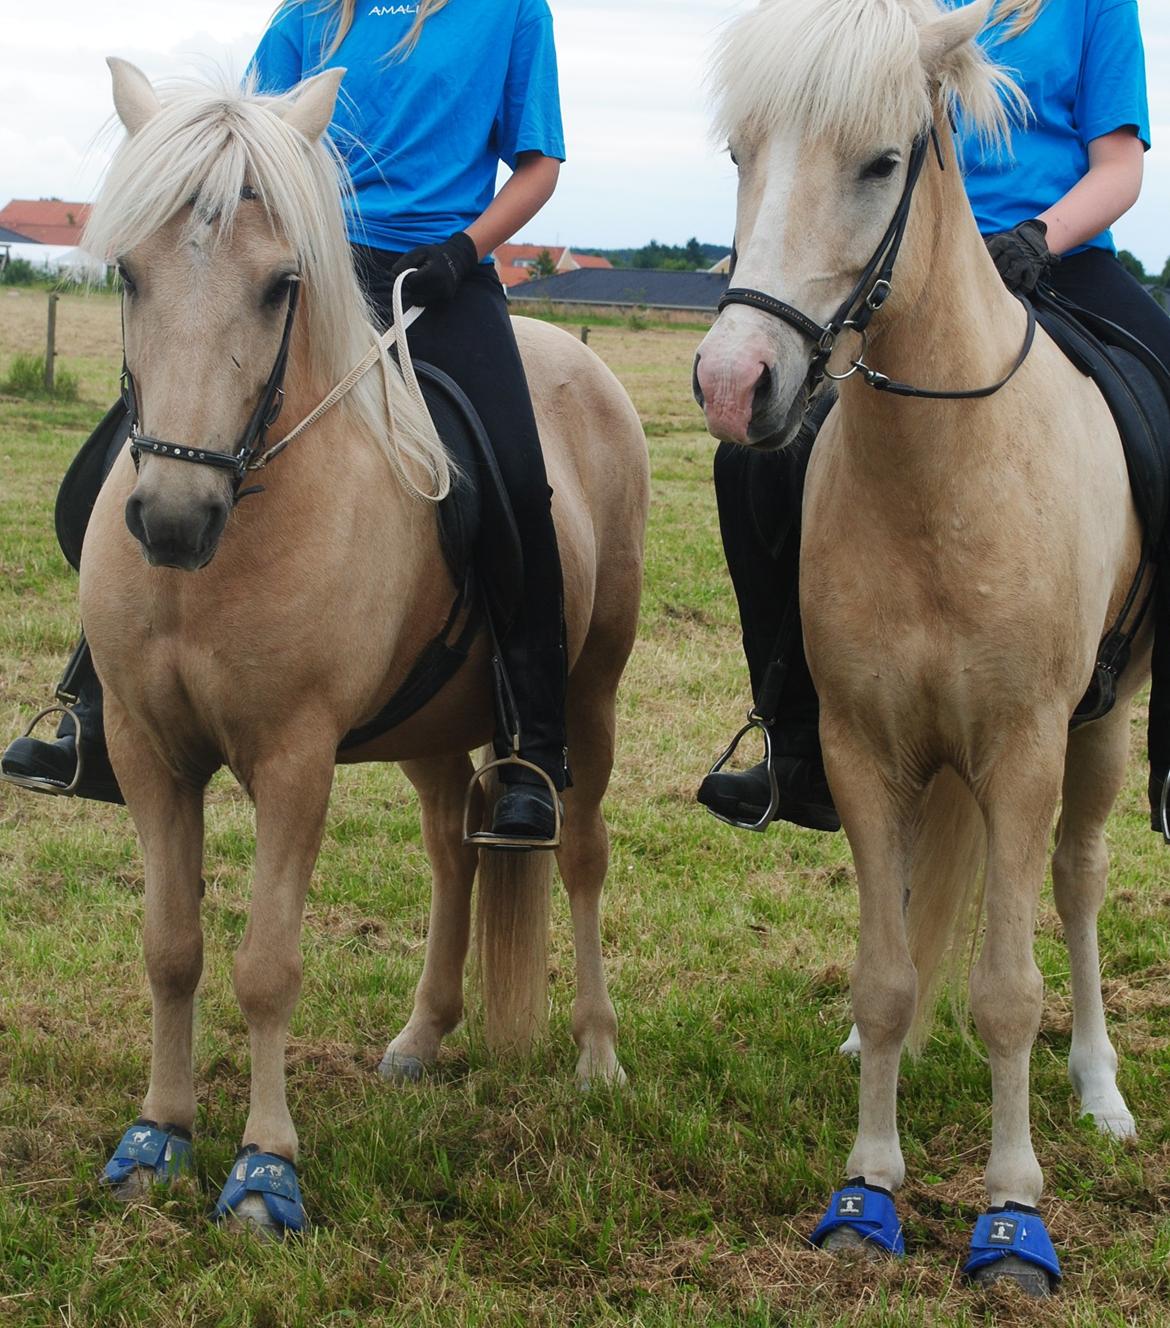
x=1136 y=388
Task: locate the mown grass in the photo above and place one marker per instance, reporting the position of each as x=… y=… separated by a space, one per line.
x=495 y=1193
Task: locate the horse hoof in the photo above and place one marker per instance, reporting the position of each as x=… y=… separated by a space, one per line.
x=852 y=1044
x=1032 y=1280
x=844 y=1240
x=1116 y=1124
x=398 y=1068
x=600 y=1076
x=251 y=1215
x=138 y=1184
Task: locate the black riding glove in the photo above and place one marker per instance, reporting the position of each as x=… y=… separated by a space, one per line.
x=441 y=267
x=1022 y=255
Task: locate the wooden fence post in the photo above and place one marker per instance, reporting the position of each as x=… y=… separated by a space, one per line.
x=51 y=342
x=585 y=335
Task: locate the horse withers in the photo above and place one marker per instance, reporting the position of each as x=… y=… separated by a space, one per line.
x=257 y=636
x=962 y=555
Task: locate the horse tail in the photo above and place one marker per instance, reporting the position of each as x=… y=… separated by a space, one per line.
x=512 y=924
x=946 y=897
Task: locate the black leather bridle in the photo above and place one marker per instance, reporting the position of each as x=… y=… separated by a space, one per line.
x=251 y=442
x=867 y=297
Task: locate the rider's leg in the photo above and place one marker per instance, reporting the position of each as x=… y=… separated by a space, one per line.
x=471 y=339
x=50 y=767
x=1096 y=281
x=759 y=496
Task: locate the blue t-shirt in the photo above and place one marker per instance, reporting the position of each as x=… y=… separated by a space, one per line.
x=422 y=138
x=1082 y=67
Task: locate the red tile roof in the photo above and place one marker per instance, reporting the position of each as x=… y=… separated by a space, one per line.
x=46 y=220
x=591 y=260
x=514 y=261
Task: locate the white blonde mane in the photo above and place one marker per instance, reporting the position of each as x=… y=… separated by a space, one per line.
x=202 y=148
x=850 y=70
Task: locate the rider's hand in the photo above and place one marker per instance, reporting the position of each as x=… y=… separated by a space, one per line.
x=441 y=267
x=1022 y=255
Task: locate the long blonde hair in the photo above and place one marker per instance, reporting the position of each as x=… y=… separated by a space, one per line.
x=344 y=21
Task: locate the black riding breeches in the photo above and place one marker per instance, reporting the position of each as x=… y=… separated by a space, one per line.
x=471 y=339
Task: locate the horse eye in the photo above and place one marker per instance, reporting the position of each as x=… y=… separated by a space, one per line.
x=731 y=154
x=279 y=291
x=881 y=168
x=126 y=279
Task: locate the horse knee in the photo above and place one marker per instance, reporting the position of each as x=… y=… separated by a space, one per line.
x=1080 y=868
x=883 y=1000
x=174 y=962
x=267 y=981
x=1006 y=1006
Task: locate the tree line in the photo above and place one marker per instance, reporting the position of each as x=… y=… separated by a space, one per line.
x=1135 y=267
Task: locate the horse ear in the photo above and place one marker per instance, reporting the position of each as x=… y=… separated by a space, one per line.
x=312 y=108
x=134 y=99
x=942 y=36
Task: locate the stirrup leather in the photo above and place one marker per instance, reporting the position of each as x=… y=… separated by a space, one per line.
x=39 y=785
x=485 y=838
x=754 y=721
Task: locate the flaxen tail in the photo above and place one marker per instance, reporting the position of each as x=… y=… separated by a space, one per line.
x=946 y=896
x=511 y=923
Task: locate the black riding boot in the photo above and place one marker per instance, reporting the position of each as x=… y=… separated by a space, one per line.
x=50 y=767
x=759 y=496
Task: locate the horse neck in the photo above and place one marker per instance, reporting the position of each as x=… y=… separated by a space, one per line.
x=954 y=327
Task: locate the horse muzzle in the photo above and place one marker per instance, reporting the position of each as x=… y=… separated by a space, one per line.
x=183 y=535
x=737 y=381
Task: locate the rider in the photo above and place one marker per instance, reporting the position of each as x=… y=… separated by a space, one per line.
x=1044 y=206
x=435 y=96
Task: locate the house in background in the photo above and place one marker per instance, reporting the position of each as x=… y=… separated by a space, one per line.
x=516 y=263
x=46 y=220
x=627 y=288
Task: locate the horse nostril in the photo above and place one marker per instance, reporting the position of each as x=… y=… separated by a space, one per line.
x=763 y=389
x=134 y=519
x=695 y=388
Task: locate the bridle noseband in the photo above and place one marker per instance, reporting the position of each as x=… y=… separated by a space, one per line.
x=251 y=443
x=866 y=298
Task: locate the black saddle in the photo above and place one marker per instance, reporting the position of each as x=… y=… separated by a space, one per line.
x=478 y=535
x=1136 y=388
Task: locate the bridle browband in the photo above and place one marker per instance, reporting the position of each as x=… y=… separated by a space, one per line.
x=251 y=443
x=867 y=297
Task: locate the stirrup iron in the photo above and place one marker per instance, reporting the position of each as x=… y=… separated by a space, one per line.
x=485 y=838
x=754 y=721
x=62 y=707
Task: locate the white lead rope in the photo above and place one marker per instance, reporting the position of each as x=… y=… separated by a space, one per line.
x=396 y=332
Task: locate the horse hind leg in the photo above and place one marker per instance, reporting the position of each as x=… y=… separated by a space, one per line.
x=441 y=783
x=1094 y=771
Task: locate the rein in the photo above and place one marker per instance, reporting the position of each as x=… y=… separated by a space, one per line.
x=250 y=453
x=867 y=297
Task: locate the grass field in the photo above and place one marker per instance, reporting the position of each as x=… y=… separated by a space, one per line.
x=495 y=1193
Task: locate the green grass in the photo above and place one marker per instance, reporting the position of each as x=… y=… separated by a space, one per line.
x=26 y=378
x=494 y=1193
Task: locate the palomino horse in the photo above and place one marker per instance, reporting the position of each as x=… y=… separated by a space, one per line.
x=322 y=593
x=961 y=559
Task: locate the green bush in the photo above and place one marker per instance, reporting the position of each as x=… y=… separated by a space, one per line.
x=19 y=272
x=26 y=378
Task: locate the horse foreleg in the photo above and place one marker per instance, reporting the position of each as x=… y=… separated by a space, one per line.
x=441 y=783
x=1019 y=802
x=878 y=823
x=1094 y=772
x=168 y=815
x=291 y=793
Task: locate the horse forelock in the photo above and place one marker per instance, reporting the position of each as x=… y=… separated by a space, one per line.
x=215 y=149
x=851 y=71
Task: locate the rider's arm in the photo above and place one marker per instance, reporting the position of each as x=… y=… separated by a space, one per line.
x=524 y=193
x=1108 y=189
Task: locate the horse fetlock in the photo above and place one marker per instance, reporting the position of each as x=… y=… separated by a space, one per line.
x=878 y=1161
x=1013 y=1176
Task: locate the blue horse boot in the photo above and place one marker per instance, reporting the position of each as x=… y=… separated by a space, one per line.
x=1012 y=1242
x=860 y=1216
x=261 y=1192
x=148 y=1154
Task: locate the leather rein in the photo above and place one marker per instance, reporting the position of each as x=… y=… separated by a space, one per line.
x=866 y=298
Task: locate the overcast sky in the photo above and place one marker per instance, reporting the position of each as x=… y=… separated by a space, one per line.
x=640 y=162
